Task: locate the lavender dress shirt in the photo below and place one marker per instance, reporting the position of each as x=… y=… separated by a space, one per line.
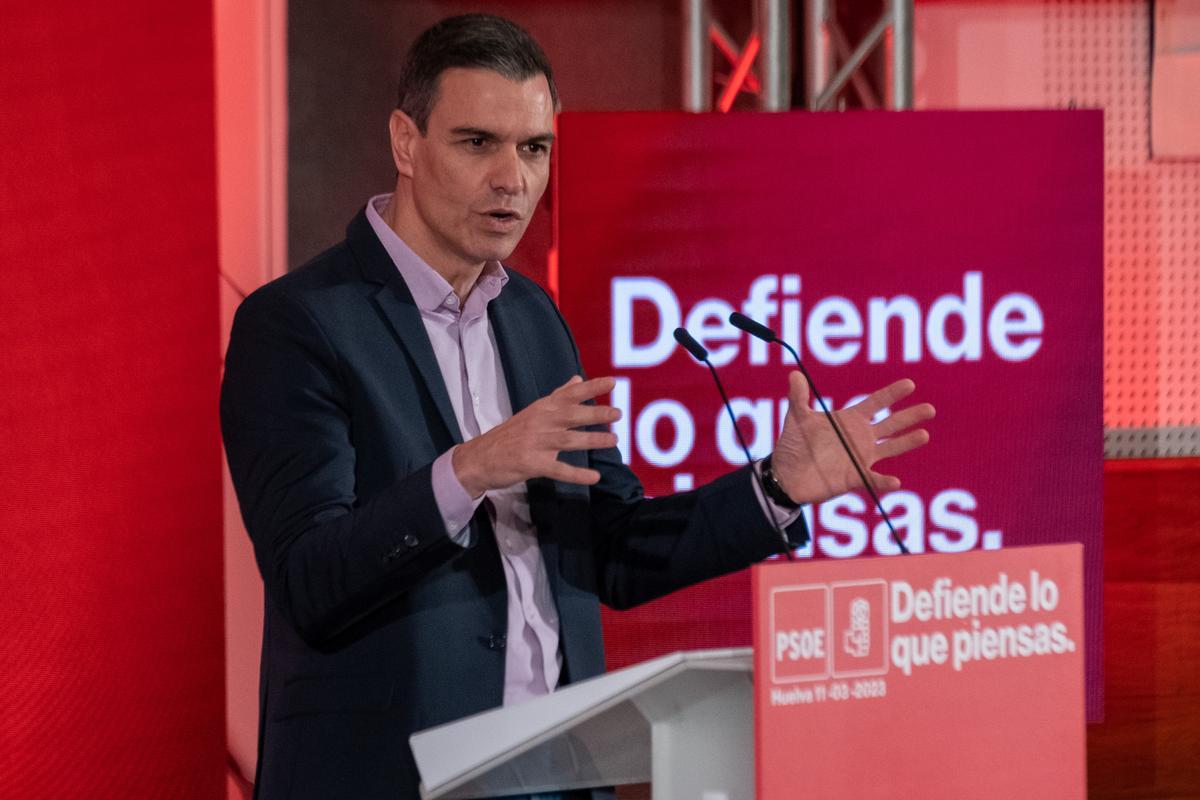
x=469 y=361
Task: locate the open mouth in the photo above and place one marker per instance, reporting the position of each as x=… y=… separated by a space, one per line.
x=502 y=221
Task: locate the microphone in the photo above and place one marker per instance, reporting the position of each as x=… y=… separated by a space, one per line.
x=755 y=328
x=760 y=331
x=699 y=353
x=691 y=345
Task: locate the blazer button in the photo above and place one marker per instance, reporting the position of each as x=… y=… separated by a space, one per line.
x=411 y=541
x=494 y=641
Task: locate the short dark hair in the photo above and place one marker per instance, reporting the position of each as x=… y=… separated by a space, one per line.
x=482 y=41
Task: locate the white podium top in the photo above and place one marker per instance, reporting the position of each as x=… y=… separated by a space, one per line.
x=593 y=733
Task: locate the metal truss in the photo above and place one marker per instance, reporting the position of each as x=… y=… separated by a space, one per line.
x=826 y=49
x=829 y=61
x=769 y=44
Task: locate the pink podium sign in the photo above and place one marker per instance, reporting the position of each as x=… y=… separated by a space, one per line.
x=934 y=676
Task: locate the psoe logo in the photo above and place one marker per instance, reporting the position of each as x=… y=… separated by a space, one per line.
x=857 y=638
x=859 y=615
x=800 y=642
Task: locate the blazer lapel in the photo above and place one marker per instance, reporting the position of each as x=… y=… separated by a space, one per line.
x=512 y=339
x=396 y=303
x=398 y=306
x=522 y=383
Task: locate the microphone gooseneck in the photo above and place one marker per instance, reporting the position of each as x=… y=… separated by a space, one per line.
x=699 y=353
x=760 y=331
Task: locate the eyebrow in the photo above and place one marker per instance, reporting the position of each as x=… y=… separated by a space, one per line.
x=467 y=130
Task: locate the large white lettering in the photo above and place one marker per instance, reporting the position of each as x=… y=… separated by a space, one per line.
x=683 y=428
x=1015 y=315
x=760 y=413
x=652 y=291
x=959 y=326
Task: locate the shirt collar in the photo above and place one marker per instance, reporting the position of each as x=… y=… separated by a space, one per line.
x=430 y=290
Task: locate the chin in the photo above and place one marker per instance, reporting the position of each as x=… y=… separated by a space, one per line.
x=492 y=254
x=497 y=250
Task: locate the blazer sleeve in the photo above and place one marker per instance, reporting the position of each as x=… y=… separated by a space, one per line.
x=327 y=556
x=646 y=548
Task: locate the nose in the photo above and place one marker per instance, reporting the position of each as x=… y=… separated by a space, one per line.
x=506 y=175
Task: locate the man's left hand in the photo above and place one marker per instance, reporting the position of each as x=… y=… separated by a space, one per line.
x=811 y=464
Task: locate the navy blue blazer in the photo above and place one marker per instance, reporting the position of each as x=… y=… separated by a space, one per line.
x=377 y=624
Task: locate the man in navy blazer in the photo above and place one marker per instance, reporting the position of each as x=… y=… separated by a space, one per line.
x=436 y=505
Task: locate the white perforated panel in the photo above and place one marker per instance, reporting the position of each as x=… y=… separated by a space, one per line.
x=1098 y=54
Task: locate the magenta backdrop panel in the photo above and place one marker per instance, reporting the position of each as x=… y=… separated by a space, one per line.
x=960 y=249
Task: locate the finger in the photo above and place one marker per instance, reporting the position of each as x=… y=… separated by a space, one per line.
x=886 y=397
x=567 y=474
x=579 y=391
x=894 y=423
x=884 y=483
x=580 y=416
x=582 y=440
x=797 y=392
x=898 y=445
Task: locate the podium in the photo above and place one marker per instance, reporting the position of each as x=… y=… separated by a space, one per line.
x=937 y=676
x=683 y=722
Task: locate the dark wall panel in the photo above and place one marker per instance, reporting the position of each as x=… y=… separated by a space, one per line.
x=344 y=58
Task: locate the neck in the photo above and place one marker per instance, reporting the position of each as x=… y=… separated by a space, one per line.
x=461 y=276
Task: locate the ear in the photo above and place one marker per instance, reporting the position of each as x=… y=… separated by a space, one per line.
x=404 y=136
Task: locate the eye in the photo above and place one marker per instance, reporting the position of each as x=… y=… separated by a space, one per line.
x=477 y=141
x=536 y=148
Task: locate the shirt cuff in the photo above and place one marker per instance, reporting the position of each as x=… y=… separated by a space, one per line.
x=775 y=513
x=453 y=502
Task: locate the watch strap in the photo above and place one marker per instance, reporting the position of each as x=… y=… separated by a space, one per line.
x=773 y=488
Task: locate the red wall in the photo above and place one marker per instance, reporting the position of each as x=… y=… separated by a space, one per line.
x=110 y=497
x=1148 y=742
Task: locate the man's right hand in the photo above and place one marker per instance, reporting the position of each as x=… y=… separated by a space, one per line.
x=527 y=444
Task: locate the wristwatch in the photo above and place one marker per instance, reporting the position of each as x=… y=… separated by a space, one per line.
x=773 y=488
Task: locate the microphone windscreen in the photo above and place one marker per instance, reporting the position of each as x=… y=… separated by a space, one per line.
x=755 y=329
x=691 y=345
